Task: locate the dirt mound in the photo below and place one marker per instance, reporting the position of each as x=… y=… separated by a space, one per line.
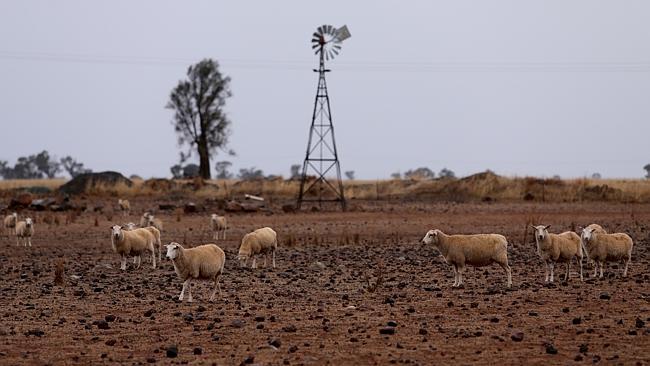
x=86 y=182
x=160 y=184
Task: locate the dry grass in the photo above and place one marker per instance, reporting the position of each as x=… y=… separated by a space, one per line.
x=479 y=187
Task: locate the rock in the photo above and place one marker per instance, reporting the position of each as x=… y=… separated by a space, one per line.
x=166 y=207
x=172 y=351
x=517 y=336
x=102 y=324
x=237 y=323
x=275 y=343
x=387 y=330
x=293 y=349
x=577 y=320
x=151 y=360
x=149 y=313
x=35 y=332
x=89 y=181
x=109 y=318
x=423 y=331
x=111 y=342
x=197 y=351
x=259 y=318
x=190 y=207
x=250 y=359
x=391 y=323
x=188 y=317
x=550 y=349
x=639 y=323
x=605 y=296
x=42 y=204
x=319 y=265
x=584 y=348
x=290 y=328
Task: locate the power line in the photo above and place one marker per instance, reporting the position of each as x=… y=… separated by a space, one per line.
x=363 y=65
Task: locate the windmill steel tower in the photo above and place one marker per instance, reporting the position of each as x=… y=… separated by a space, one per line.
x=322 y=157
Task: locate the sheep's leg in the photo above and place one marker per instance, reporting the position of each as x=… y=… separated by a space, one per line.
x=29 y=240
x=453 y=267
x=602 y=264
x=182 y=295
x=627 y=262
x=266 y=258
x=123 y=265
x=274 y=259
x=189 y=290
x=566 y=276
x=580 y=263
x=135 y=260
x=254 y=266
x=460 y=276
x=552 y=267
x=216 y=286
x=506 y=267
x=153 y=256
x=545 y=271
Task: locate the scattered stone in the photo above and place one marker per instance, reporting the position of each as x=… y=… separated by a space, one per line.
x=172 y=351
x=605 y=296
x=109 y=318
x=639 y=323
x=237 y=323
x=517 y=336
x=111 y=342
x=198 y=351
x=550 y=349
x=387 y=330
x=250 y=359
x=423 y=331
x=149 y=313
x=577 y=320
x=391 y=323
x=290 y=328
x=102 y=324
x=275 y=343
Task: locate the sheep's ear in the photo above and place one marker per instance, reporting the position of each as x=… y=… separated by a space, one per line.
x=532 y=227
x=547 y=227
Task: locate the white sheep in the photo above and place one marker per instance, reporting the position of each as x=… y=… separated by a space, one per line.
x=125 y=206
x=156 y=234
x=596 y=228
x=205 y=262
x=144 y=220
x=10 y=222
x=157 y=223
x=25 y=230
x=132 y=243
x=261 y=241
x=602 y=247
x=218 y=225
x=556 y=248
x=476 y=250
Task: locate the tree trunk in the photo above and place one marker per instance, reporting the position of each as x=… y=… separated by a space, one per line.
x=204 y=159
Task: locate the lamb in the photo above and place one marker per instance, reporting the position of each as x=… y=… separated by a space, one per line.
x=476 y=250
x=125 y=206
x=10 y=222
x=602 y=247
x=260 y=241
x=205 y=262
x=556 y=248
x=157 y=223
x=218 y=225
x=25 y=230
x=144 y=220
x=132 y=243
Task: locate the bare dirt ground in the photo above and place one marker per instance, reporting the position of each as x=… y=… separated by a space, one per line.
x=341 y=278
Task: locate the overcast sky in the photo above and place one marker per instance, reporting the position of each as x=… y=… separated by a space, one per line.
x=519 y=87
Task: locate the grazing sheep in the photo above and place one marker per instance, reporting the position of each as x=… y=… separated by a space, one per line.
x=157 y=223
x=476 y=250
x=144 y=220
x=218 y=225
x=132 y=243
x=25 y=230
x=10 y=222
x=125 y=206
x=555 y=248
x=260 y=241
x=205 y=262
x=602 y=247
x=156 y=234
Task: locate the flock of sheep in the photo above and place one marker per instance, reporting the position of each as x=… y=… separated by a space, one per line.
x=207 y=262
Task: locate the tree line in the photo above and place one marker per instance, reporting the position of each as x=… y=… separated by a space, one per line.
x=41 y=165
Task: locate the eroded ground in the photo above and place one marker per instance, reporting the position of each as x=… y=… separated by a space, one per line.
x=341 y=278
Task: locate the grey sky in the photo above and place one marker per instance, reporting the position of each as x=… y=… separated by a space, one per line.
x=519 y=87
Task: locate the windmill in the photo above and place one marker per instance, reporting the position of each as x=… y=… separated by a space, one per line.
x=322 y=158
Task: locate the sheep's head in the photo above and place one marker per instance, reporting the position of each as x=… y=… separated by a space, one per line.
x=15 y=215
x=214 y=216
x=431 y=237
x=116 y=232
x=541 y=231
x=587 y=234
x=29 y=222
x=129 y=226
x=150 y=220
x=173 y=250
x=146 y=215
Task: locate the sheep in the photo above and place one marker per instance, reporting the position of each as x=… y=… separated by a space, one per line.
x=555 y=248
x=125 y=206
x=10 y=222
x=476 y=250
x=144 y=220
x=132 y=243
x=156 y=234
x=218 y=224
x=205 y=262
x=157 y=223
x=599 y=229
x=260 y=241
x=602 y=247
x=24 y=230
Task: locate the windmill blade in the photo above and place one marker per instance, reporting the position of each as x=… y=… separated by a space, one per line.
x=315 y=45
x=320 y=30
